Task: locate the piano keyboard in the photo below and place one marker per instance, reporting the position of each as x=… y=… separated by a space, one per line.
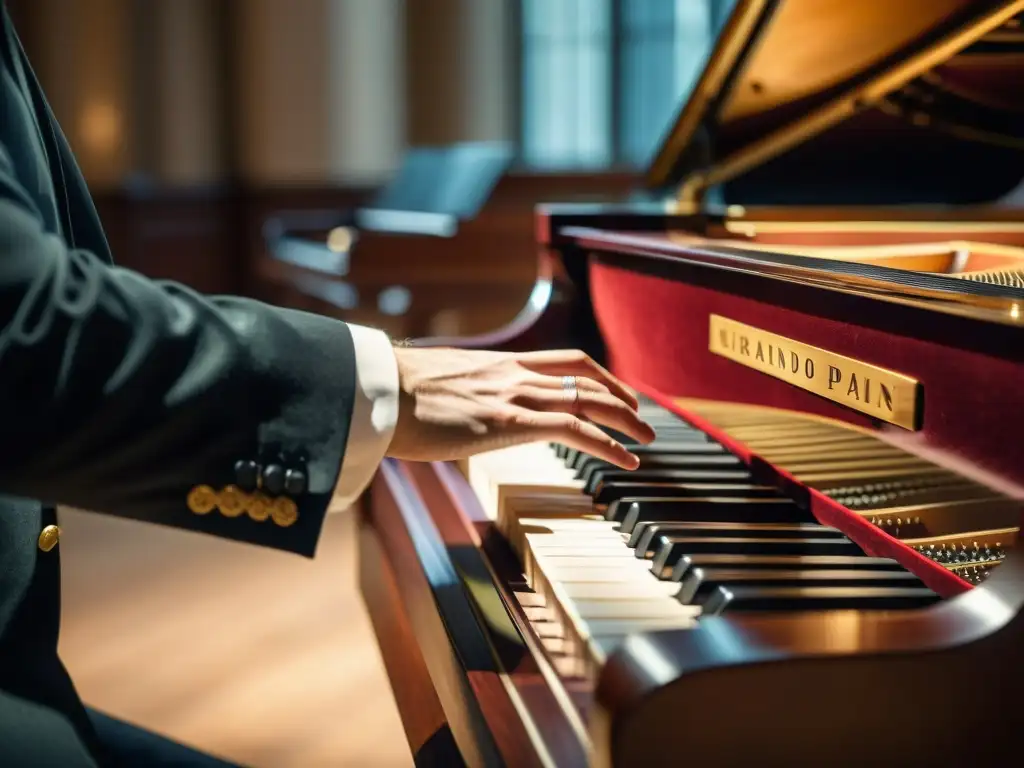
x=690 y=534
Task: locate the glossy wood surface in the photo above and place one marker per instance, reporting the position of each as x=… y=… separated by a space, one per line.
x=736 y=664
x=848 y=677
x=732 y=689
x=459 y=622
x=426 y=726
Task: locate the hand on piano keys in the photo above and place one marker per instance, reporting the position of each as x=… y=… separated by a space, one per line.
x=457 y=403
x=690 y=533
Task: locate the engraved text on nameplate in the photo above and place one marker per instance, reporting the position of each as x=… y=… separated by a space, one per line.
x=877 y=392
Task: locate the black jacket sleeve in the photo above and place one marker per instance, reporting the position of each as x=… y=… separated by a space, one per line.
x=143 y=399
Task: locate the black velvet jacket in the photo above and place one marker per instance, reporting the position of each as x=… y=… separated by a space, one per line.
x=135 y=398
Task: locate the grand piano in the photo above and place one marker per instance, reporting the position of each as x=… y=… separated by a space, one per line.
x=820 y=301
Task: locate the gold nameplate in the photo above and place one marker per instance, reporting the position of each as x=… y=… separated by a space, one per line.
x=880 y=393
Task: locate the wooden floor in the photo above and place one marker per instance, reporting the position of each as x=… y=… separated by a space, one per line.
x=258 y=656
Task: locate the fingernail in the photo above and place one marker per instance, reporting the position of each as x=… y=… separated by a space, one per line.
x=634 y=461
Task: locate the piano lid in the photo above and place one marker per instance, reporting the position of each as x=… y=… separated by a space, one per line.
x=870 y=102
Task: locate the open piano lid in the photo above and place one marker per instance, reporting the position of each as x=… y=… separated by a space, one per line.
x=864 y=102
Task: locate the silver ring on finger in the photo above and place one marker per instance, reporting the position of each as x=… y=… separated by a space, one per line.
x=571 y=392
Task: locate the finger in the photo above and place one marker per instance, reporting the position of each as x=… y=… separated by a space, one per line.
x=575 y=363
x=575 y=433
x=599 y=407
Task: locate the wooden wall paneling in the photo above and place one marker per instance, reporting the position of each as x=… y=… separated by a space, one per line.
x=470 y=283
x=180 y=235
x=207 y=238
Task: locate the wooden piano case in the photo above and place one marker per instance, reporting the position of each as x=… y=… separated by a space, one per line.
x=838 y=191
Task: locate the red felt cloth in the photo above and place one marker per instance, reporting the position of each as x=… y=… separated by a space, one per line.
x=671 y=319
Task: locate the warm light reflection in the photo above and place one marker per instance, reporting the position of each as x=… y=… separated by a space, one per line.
x=989 y=608
x=844 y=631
x=1015 y=311
x=656 y=664
x=101 y=128
x=540 y=295
x=491 y=607
x=339 y=239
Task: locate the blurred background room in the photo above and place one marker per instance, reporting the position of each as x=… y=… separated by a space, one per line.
x=225 y=141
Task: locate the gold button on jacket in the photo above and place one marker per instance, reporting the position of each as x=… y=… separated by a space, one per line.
x=231 y=501
x=284 y=512
x=202 y=499
x=258 y=507
x=49 y=537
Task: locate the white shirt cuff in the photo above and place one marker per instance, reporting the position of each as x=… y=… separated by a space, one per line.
x=374 y=414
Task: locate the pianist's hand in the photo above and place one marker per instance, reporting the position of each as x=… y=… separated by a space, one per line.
x=456 y=403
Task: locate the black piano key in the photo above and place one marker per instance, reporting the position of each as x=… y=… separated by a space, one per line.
x=644 y=533
x=575 y=459
x=662 y=447
x=645 y=537
x=658 y=478
x=654 y=459
x=782 y=562
x=619 y=496
x=752 y=510
x=725 y=462
x=665 y=443
x=732 y=600
x=651 y=457
x=664 y=424
x=669 y=549
x=700 y=583
x=664 y=437
x=668 y=427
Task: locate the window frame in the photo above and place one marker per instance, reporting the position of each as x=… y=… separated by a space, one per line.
x=620 y=158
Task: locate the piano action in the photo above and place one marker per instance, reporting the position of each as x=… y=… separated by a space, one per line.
x=817 y=561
